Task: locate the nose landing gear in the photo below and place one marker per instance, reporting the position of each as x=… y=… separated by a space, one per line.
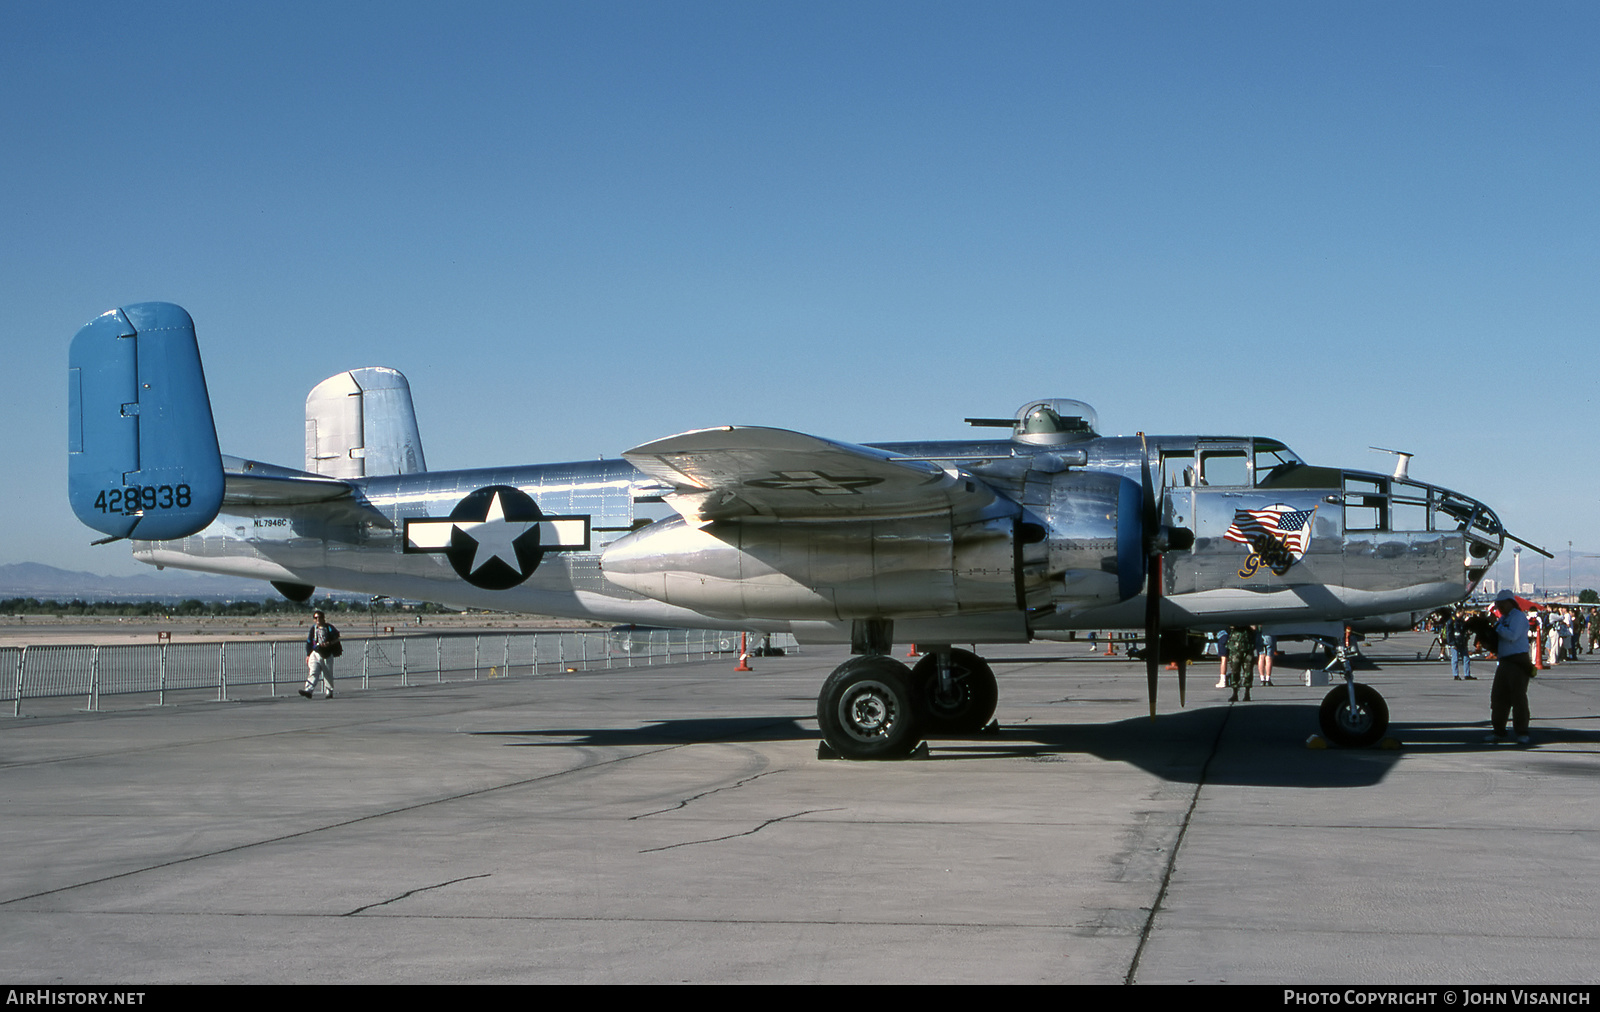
x=1352 y=715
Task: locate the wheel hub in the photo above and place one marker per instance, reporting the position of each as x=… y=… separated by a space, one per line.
x=1356 y=720
x=868 y=712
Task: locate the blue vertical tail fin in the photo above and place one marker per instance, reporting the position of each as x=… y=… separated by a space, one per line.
x=142 y=457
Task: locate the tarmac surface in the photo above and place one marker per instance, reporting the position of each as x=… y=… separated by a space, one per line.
x=675 y=824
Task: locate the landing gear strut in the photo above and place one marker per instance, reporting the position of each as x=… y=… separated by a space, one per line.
x=1353 y=715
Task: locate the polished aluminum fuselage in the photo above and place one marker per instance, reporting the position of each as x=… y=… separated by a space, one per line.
x=1374 y=545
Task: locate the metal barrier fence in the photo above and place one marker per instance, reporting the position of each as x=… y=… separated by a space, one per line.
x=245 y=667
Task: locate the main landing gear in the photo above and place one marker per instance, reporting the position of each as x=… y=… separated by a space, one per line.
x=874 y=707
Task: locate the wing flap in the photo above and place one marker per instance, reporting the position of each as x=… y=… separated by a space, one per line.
x=756 y=472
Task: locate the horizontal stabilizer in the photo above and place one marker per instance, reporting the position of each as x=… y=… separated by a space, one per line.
x=750 y=471
x=142 y=458
x=250 y=485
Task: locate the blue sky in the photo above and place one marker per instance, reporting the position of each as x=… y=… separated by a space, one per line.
x=579 y=226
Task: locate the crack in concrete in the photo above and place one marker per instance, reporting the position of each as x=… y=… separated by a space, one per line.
x=703 y=794
x=748 y=832
x=412 y=892
x=1172 y=859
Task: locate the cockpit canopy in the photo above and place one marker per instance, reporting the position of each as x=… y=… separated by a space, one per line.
x=1238 y=462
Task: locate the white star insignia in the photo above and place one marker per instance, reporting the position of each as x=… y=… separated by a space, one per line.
x=496 y=536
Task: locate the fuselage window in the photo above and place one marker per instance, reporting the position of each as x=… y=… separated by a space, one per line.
x=1366 y=504
x=1408 y=507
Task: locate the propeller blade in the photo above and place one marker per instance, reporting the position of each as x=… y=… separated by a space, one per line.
x=1152 y=628
x=1152 y=512
x=1183 y=670
x=1152 y=590
x=1159 y=540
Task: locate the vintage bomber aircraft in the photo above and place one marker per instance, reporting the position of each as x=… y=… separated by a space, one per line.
x=1049 y=529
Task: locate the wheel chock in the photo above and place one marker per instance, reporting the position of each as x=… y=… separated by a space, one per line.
x=1390 y=742
x=991 y=730
x=825 y=751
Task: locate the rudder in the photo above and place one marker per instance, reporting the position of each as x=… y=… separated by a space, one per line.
x=360 y=424
x=142 y=457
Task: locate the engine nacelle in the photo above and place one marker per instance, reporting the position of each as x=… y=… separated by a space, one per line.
x=1093 y=552
x=1088 y=551
x=903 y=567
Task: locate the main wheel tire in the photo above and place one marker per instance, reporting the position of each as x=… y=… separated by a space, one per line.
x=976 y=694
x=1362 y=727
x=866 y=709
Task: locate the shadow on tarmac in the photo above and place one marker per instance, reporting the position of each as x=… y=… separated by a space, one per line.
x=1261 y=745
x=695 y=731
x=1250 y=745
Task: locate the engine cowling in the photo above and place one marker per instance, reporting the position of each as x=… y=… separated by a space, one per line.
x=1093 y=551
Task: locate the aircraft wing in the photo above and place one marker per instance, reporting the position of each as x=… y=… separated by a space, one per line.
x=751 y=471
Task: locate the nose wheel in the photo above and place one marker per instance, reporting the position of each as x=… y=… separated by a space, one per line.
x=1353 y=715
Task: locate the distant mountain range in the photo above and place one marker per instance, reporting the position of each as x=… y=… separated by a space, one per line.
x=34 y=579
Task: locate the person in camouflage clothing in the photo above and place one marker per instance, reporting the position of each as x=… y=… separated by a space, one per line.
x=1241 y=661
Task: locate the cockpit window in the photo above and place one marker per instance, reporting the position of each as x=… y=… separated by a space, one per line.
x=1277 y=466
x=1273 y=461
x=1224 y=467
x=1178 y=470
